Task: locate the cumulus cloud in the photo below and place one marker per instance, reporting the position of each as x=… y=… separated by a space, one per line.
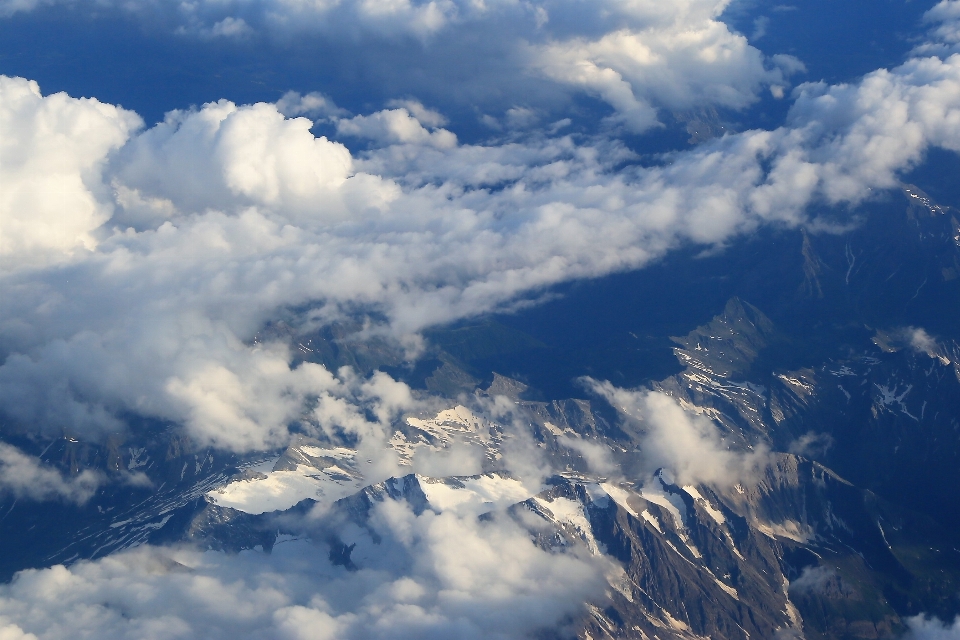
x=53 y=151
x=688 y=445
x=403 y=125
x=696 y=61
x=24 y=476
x=225 y=157
x=944 y=34
x=427 y=576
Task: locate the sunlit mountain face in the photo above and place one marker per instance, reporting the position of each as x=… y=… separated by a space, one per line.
x=360 y=319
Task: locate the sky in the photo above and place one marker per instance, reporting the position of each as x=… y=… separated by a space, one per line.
x=177 y=175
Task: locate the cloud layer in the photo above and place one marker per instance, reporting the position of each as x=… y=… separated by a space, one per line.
x=171 y=246
x=137 y=266
x=430 y=576
x=501 y=56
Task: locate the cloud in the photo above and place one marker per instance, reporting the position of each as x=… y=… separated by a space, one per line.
x=11 y=7
x=400 y=126
x=693 y=62
x=457 y=459
x=921 y=340
x=811 y=444
x=635 y=56
x=420 y=19
x=188 y=236
x=314 y=105
x=428 y=576
x=916 y=339
x=222 y=392
x=686 y=444
x=596 y=454
x=760 y=27
x=944 y=34
x=426 y=117
x=225 y=157
x=53 y=152
x=24 y=476
x=814 y=579
x=229 y=27
x=930 y=628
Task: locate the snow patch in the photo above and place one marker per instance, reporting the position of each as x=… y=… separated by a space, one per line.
x=337 y=453
x=557 y=431
x=474 y=495
x=730 y=591
x=889 y=397
x=280 y=490
x=711 y=511
x=787 y=529
x=619 y=496
x=570 y=512
x=673 y=504
x=652 y=519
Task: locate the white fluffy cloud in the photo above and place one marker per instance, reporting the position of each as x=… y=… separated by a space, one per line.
x=695 y=61
x=430 y=576
x=52 y=151
x=944 y=34
x=225 y=157
x=403 y=125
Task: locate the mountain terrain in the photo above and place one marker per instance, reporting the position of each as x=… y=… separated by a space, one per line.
x=815 y=374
